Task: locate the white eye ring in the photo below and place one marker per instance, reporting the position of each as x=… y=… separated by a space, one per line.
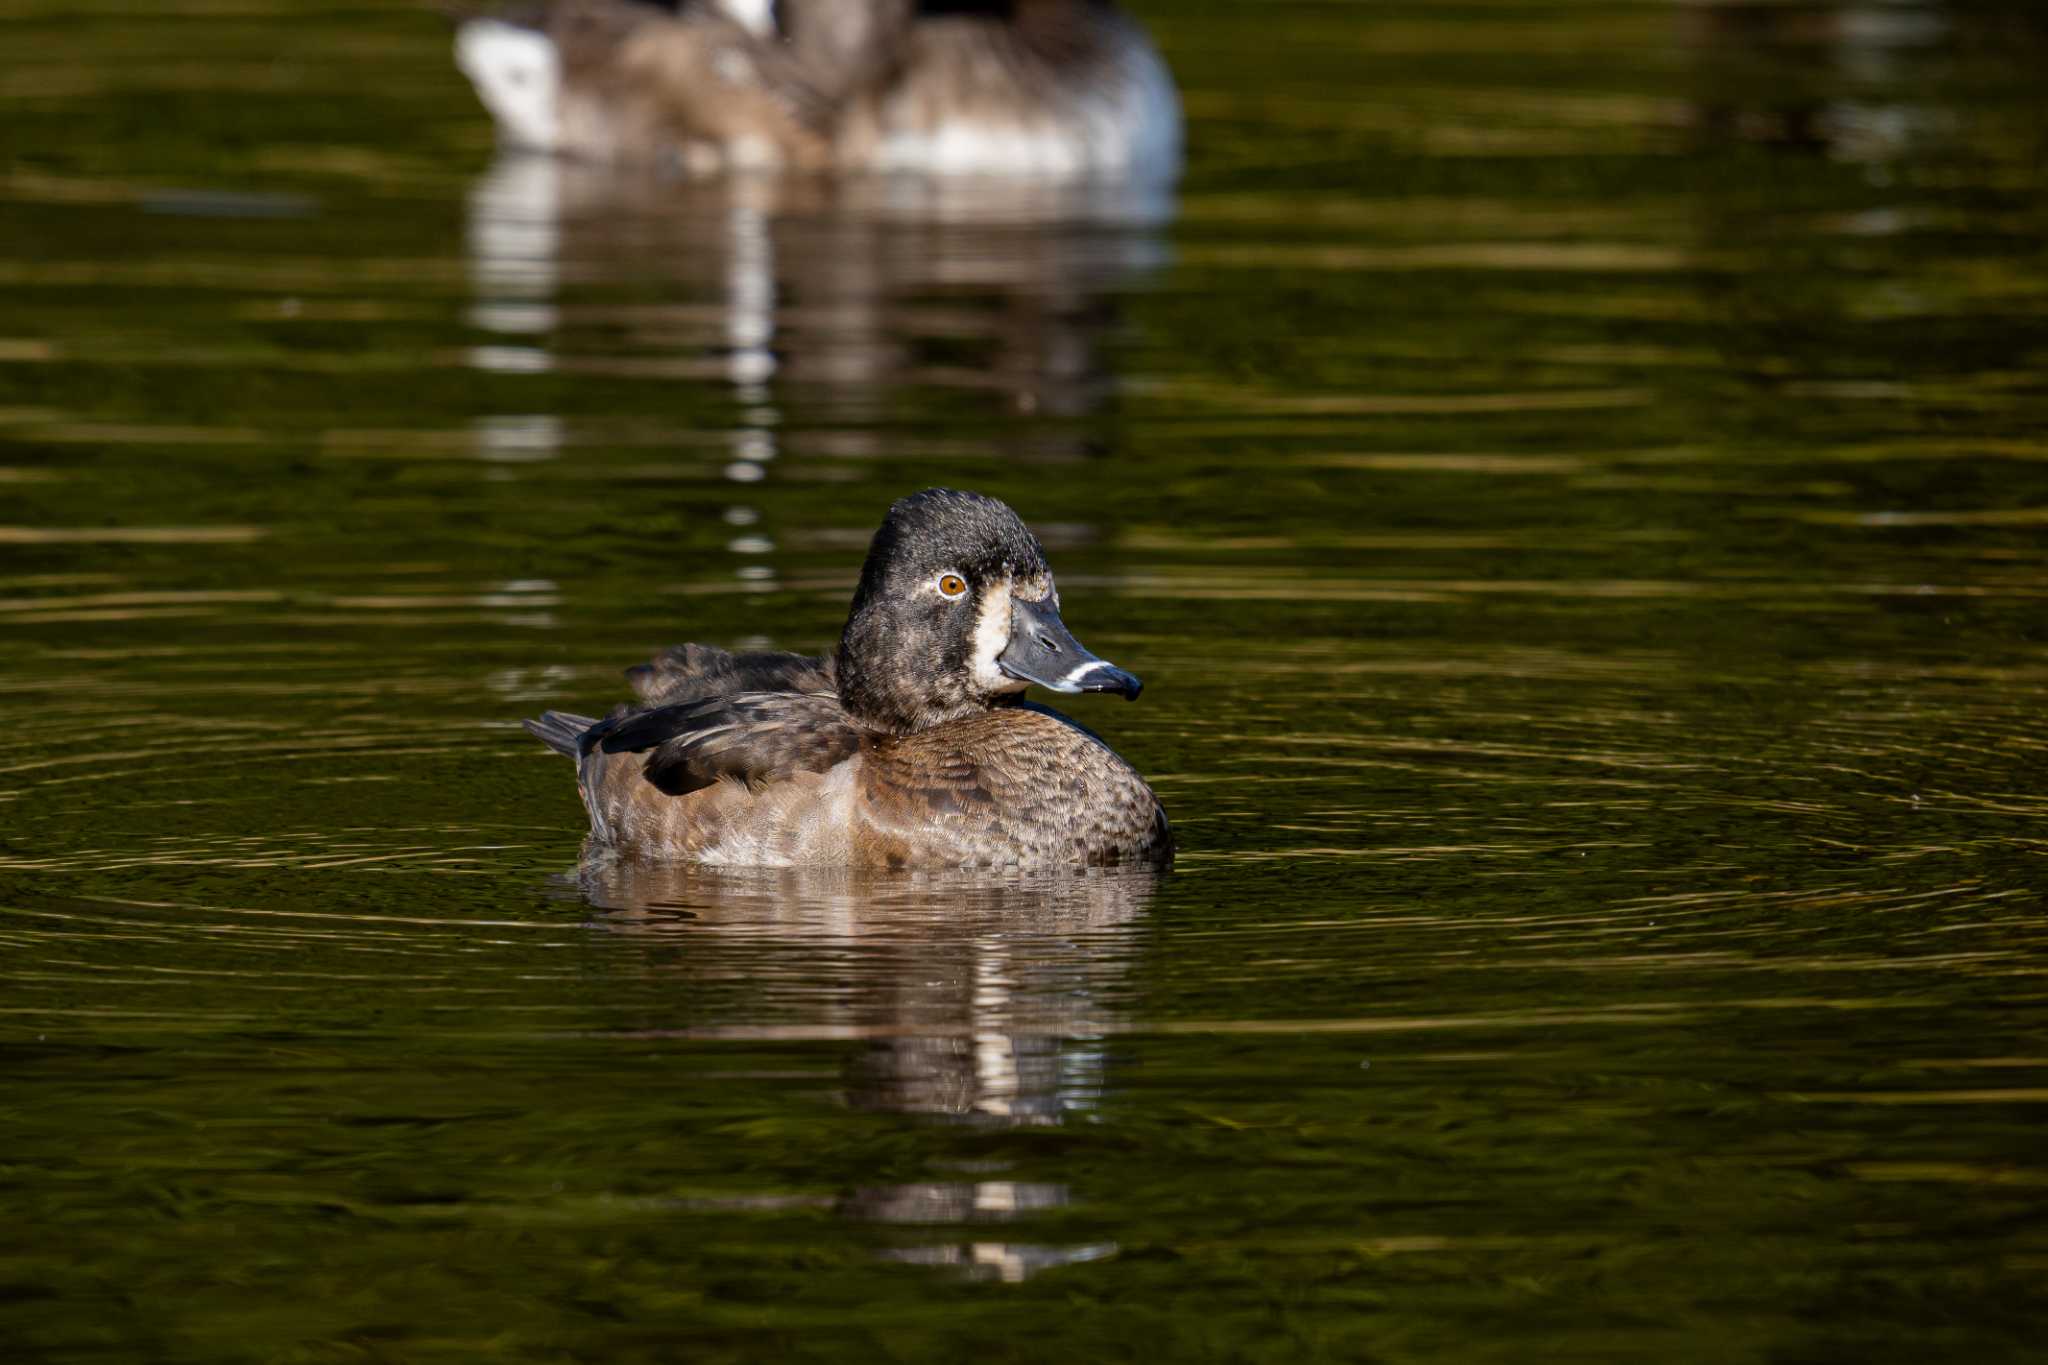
x=950 y=585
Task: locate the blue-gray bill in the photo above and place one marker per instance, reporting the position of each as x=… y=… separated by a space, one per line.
x=1044 y=651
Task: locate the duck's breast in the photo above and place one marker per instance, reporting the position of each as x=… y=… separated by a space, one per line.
x=1019 y=786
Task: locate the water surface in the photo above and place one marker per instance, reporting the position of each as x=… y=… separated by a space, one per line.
x=1570 y=475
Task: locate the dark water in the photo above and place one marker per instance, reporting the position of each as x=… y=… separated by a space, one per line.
x=1571 y=476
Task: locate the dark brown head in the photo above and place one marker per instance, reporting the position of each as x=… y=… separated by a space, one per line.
x=956 y=612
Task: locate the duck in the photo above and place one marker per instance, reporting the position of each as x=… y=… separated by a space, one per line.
x=1054 y=89
x=912 y=746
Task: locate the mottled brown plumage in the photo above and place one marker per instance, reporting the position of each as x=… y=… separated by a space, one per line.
x=1017 y=785
x=1032 y=87
x=694 y=83
x=911 y=748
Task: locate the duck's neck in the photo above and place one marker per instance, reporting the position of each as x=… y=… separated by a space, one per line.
x=895 y=705
x=889 y=686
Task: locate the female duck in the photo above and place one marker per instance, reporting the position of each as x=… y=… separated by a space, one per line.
x=1041 y=88
x=913 y=747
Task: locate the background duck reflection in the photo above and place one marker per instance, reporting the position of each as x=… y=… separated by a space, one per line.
x=817 y=303
x=841 y=286
x=1833 y=63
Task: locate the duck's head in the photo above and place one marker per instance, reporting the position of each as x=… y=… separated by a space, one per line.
x=956 y=612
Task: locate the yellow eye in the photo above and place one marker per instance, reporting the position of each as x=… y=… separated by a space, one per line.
x=951 y=585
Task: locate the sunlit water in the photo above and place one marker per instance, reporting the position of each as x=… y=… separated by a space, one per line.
x=1571 y=477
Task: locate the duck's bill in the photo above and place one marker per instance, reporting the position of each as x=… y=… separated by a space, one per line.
x=1042 y=650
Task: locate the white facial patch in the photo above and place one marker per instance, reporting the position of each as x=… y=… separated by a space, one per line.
x=755 y=16
x=991 y=638
x=517 y=74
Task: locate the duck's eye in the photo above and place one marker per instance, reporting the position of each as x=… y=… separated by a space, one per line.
x=951 y=585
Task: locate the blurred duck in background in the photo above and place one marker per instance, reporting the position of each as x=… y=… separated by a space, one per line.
x=1057 y=89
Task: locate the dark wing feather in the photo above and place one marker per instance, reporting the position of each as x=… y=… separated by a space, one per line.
x=753 y=737
x=559 y=730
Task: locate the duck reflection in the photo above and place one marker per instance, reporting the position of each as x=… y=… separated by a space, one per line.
x=836 y=292
x=816 y=305
x=976 y=999
x=1816 y=53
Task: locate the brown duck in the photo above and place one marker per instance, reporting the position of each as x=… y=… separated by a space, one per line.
x=1034 y=88
x=912 y=746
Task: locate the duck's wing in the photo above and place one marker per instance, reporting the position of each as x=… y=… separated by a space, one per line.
x=803 y=58
x=693 y=673
x=688 y=71
x=843 y=48
x=753 y=737
x=561 y=731
x=722 y=78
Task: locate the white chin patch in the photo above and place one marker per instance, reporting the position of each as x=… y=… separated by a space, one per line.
x=517 y=75
x=991 y=638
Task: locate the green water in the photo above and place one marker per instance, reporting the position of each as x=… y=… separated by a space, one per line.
x=1571 y=477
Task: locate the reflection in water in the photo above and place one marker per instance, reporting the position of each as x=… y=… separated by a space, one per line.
x=1009 y=1262
x=980 y=999
x=819 y=281
x=845 y=292
x=513 y=242
x=1823 y=49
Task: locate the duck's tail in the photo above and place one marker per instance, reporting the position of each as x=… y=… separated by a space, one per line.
x=560 y=731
